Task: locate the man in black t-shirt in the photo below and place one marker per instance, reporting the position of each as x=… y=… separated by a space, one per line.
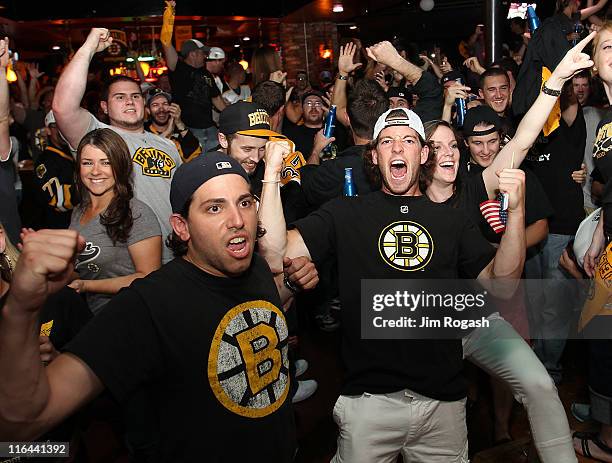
x=194 y=89
x=205 y=333
x=399 y=395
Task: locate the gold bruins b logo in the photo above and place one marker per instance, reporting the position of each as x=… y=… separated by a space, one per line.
x=248 y=364
x=405 y=246
x=154 y=162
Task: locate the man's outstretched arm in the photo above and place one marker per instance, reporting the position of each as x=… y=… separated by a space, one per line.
x=72 y=120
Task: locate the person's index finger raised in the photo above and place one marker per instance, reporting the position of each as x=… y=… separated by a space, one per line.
x=584 y=42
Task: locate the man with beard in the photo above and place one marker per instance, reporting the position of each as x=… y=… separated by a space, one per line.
x=155 y=158
x=313 y=114
x=166 y=121
x=400 y=395
x=54 y=179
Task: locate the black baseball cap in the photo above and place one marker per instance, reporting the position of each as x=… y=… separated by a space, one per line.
x=479 y=115
x=191 y=45
x=192 y=175
x=311 y=93
x=246 y=118
x=399 y=92
x=452 y=75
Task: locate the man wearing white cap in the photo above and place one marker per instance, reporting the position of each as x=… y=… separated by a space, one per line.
x=399 y=395
x=214 y=65
x=194 y=89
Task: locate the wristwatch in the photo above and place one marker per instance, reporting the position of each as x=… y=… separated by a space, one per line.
x=341 y=77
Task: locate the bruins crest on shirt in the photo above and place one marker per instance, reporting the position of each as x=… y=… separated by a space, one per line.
x=154 y=162
x=248 y=363
x=405 y=246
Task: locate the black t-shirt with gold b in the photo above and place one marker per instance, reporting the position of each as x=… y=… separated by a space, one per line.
x=213 y=350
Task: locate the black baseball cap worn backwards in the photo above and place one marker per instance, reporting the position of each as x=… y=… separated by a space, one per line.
x=192 y=175
x=479 y=115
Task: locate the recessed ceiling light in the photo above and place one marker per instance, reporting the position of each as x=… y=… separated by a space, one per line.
x=246 y=39
x=353 y=27
x=55 y=47
x=338 y=8
x=237 y=45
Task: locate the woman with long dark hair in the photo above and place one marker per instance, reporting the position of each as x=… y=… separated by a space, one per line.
x=122 y=233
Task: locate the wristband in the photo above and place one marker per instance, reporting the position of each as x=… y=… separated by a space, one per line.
x=289 y=285
x=550 y=91
x=341 y=77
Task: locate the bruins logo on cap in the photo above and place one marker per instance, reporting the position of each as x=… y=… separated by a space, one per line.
x=248 y=363
x=154 y=162
x=259 y=117
x=405 y=246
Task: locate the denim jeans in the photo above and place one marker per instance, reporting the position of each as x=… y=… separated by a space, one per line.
x=207 y=137
x=555 y=306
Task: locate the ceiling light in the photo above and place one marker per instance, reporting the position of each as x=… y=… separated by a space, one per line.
x=353 y=28
x=427 y=5
x=246 y=39
x=237 y=45
x=55 y=47
x=338 y=8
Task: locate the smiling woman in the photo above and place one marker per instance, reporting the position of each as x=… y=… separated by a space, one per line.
x=122 y=234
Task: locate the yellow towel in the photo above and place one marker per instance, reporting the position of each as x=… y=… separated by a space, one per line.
x=168 y=25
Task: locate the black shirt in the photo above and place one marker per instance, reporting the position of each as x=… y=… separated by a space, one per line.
x=214 y=352
x=603 y=163
x=56 y=192
x=354 y=231
x=547 y=47
x=553 y=163
x=302 y=136
x=326 y=181
x=431 y=97
x=193 y=90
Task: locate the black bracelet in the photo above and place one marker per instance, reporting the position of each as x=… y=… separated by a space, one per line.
x=550 y=91
x=341 y=77
x=289 y=285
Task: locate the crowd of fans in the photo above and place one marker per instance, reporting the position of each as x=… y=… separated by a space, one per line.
x=219 y=206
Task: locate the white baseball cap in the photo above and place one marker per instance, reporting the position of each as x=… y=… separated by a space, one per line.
x=399 y=116
x=216 y=53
